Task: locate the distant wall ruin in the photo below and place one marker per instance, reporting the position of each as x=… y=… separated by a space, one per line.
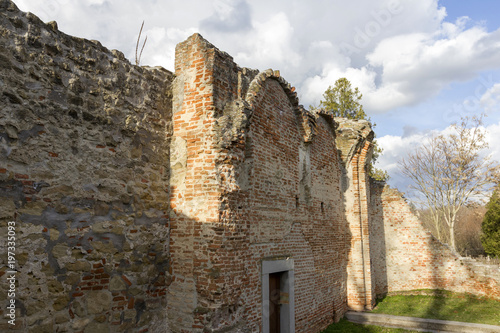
x=146 y=200
x=408 y=257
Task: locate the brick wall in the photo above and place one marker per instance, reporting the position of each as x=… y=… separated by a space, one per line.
x=84 y=138
x=295 y=209
x=271 y=190
x=408 y=257
x=354 y=143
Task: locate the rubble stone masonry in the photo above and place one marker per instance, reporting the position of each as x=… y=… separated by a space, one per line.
x=151 y=201
x=84 y=173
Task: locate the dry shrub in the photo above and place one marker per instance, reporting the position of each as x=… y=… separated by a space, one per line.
x=467 y=230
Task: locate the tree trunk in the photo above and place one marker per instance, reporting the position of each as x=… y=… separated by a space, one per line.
x=435 y=218
x=452 y=236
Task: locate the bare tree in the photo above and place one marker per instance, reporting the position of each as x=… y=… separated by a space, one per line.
x=449 y=171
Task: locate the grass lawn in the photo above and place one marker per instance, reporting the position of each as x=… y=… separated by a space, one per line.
x=442 y=305
x=434 y=304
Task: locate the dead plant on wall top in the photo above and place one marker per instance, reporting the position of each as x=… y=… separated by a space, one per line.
x=138 y=58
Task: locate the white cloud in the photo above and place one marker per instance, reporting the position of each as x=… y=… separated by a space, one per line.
x=493 y=137
x=95 y=2
x=229 y=15
x=272 y=44
x=361 y=78
x=430 y=62
x=490 y=100
x=399 y=53
x=407 y=69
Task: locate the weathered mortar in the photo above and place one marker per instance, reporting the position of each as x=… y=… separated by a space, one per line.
x=255 y=177
x=354 y=143
x=84 y=168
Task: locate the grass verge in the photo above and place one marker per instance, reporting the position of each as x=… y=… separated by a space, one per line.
x=442 y=305
x=431 y=304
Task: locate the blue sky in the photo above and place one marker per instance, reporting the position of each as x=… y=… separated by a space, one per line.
x=478 y=11
x=420 y=64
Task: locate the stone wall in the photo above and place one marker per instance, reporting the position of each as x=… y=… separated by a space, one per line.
x=406 y=256
x=84 y=169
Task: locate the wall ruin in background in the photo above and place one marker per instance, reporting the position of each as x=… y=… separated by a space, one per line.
x=406 y=256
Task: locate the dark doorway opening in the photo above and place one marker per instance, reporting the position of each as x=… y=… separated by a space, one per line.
x=274 y=302
x=278 y=314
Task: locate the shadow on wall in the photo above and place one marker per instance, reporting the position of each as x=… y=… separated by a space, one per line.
x=84 y=139
x=401 y=256
x=378 y=249
x=82 y=271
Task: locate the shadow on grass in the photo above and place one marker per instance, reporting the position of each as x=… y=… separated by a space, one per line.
x=344 y=326
x=443 y=305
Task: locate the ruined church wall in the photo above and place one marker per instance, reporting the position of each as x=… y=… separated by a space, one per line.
x=84 y=168
x=267 y=194
x=295 y=209
x=206 y=243
x=354 y=144
x=328 y=231
x=408 y=257
x=145 y=201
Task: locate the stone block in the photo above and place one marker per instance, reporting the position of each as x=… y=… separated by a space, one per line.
x=98 y=302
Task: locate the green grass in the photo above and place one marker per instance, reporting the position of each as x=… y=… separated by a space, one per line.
x=432 y=304
x=443 y=305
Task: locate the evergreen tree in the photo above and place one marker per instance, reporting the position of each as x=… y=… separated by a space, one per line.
x=344 y=101
x=491 y=226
